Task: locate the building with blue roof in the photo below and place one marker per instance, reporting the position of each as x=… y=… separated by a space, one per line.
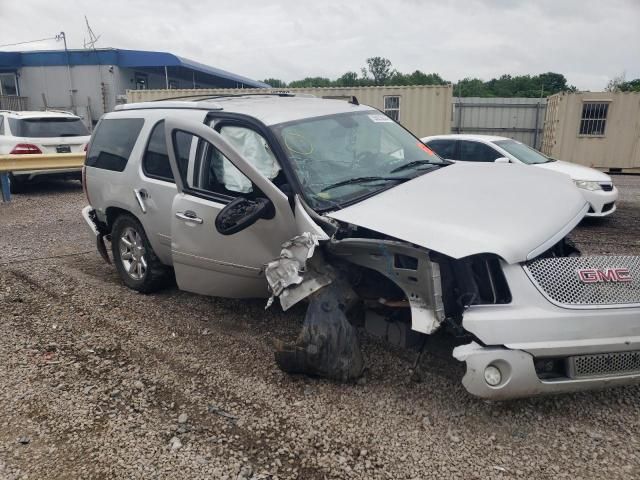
x=91 y=82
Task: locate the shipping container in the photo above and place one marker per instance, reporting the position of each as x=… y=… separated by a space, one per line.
x=596 y=129
x=422 y=109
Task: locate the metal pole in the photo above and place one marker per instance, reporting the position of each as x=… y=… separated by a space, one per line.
x=166 y=78
x=460 y=107
x=4 y=186
x=535 y=130
x=66 y=51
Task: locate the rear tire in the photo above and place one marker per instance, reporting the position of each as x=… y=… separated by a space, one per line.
x=136 y=262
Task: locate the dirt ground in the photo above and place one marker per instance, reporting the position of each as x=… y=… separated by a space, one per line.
x=97 y=381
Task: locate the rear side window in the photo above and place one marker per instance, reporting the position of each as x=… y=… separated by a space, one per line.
x=46 y=127
x=1 y=125
x=155 y=163
x=444 y=148
x=477 y=152
x=112 y=143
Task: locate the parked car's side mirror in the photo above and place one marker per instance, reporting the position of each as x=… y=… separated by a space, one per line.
x=242 y=213
x=502 y=160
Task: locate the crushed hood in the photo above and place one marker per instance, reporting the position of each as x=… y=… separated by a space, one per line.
x=513 y=211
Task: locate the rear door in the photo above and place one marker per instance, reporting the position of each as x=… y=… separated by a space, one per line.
x=206 y=261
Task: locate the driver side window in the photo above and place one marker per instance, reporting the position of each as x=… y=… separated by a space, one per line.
x=206 y=174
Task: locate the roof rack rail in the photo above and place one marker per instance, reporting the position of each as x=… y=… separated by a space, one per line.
x=56 y=110
x=225 y=95
x=169 y=104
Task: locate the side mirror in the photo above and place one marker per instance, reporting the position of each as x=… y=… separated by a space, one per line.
x=502 y=160
x=242 y=213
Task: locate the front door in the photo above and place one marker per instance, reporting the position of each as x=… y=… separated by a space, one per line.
x=206 y=261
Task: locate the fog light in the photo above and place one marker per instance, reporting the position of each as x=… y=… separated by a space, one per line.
x=492 y=375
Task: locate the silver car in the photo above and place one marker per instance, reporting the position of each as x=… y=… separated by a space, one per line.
x=327 y=201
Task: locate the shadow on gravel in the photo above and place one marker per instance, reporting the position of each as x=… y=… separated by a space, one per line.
x=37 y=188
x=595 y=222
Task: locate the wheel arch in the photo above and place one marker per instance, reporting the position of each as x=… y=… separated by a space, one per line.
x=112 y=213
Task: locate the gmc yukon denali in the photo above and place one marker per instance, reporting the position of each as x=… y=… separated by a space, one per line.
x=333 y=203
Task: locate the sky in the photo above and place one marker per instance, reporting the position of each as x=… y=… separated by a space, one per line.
x=588 y=41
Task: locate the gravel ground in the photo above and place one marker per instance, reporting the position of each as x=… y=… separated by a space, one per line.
x=101 y=382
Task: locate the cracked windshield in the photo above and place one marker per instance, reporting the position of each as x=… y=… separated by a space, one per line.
x=342 y=157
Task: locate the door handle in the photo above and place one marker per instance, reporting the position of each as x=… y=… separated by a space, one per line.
x=189 y=216
x=140 y=196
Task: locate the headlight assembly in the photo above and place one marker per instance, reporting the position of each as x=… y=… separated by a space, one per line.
x=587 y=185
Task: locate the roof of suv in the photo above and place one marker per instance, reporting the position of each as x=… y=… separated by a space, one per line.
x=269 y=109
x=38 y=114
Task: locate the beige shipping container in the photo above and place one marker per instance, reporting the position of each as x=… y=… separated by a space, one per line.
x=422 y=109
x=596 y=129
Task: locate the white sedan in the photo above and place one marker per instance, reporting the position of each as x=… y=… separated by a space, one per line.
x=596 y=186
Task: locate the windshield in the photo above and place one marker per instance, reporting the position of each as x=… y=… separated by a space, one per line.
x=522 y=152
x=47 y=127
x=341 y=157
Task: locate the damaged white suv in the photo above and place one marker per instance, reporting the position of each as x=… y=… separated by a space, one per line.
x=333 y=202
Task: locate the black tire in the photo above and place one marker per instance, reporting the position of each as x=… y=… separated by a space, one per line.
x=155 y=274
x=16 y=184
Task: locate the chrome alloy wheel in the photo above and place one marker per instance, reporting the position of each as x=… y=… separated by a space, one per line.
x=132 y=253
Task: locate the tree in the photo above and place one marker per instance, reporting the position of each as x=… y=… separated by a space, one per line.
x=620 y=84
x=380 y=69
x=349 y=79
x=531 y=86
x=421 y=78
x=397 y=78
x=614 y=84
x=470 y=87
x=309 y=82
x=630 y=86
x=275 y=83
x=555 y=82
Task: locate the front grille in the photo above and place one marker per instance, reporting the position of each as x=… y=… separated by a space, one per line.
x=607 y=187
x=604 y=364
x=559 y=279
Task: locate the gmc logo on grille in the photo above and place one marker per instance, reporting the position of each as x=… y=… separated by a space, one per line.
x=604 y=275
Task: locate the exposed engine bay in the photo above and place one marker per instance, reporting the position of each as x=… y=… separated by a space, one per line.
x=393 y=289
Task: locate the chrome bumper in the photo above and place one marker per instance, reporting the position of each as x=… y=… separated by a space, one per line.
x=519 y=377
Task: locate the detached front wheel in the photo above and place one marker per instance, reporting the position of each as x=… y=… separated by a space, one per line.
x=135 y=260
